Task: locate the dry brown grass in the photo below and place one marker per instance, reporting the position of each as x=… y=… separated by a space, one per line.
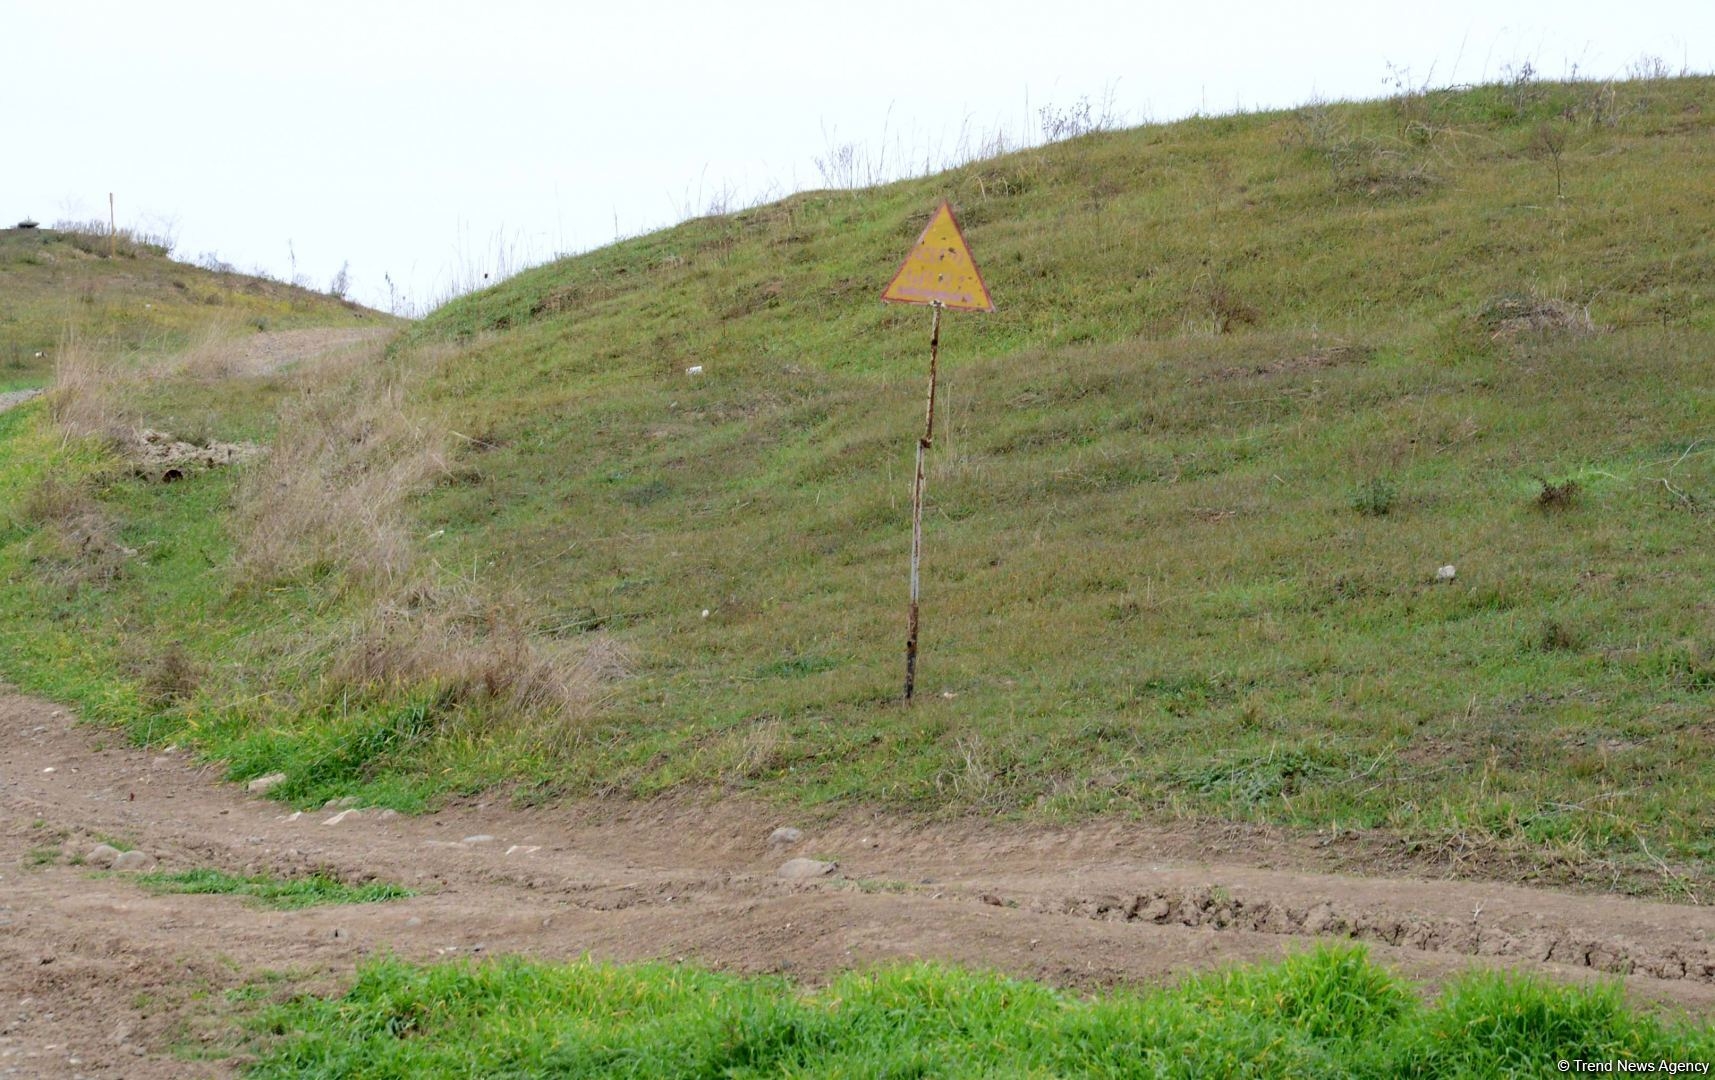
x=89 y=392
x=79 y=537
x=329 y=496
x=474 y=649
x=214 y=354
x=1508 y=316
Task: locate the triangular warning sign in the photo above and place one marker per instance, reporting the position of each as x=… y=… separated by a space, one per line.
x=940 y=270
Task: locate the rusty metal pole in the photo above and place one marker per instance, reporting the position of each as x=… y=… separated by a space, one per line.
x=917 y=507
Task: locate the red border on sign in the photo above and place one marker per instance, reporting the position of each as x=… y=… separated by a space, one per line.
x=975 y=269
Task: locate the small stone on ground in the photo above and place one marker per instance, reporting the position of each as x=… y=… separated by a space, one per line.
x=263 y=784
x=804 y=869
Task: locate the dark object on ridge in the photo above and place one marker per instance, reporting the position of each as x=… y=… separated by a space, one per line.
x=28 y=224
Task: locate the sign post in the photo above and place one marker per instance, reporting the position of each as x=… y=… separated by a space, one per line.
x=939 y=272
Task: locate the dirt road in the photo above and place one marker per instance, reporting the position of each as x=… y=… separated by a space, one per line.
x=100 y=978
x=17 y=397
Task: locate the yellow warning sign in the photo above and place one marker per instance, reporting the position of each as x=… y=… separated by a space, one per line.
x=940 y=270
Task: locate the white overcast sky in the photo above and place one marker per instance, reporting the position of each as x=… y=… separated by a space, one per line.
x=427 y=141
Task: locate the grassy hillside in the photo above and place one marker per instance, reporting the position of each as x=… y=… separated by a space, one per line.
x=130 y=295
x=1253 y=380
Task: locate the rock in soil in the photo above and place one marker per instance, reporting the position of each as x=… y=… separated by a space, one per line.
x=804 y=869
x=101 y=855
x=133 y=860
x=263 y=784
x=785 y=836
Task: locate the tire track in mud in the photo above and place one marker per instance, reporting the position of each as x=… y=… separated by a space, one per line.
x=1216 y=908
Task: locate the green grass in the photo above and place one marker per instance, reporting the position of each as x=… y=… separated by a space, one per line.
x=273 y=892
x=56 y=283
x=1329 y=1013
x=1249 y=385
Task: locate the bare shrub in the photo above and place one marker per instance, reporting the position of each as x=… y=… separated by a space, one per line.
x=87 y=399
x=97 y=237
x=169 y=676
x=1556 y=496
x=1548 y=143
x=471 y=649
x=330 y=493
x=1060 y=122
x=214 y=354
x=1506 y=316
x=1221 y=308
x=81 y=538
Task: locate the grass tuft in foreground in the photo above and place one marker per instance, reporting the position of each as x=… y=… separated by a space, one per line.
x=1328 y=1013
x=268 y=891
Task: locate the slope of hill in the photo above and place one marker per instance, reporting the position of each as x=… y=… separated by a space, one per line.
x=129 y=294
x=1253 y=381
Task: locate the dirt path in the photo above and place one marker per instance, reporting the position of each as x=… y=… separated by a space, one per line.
x=100 y=978
x=17 y=397
x=270 y=352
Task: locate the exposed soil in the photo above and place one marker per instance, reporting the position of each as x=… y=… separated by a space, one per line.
x=158 y=456
x=270 y=352
x=100 y=978
x=17 y=397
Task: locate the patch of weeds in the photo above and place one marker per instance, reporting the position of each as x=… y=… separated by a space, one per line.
x=170 y=676
x=869 y=885
x=1223 y=308
x=795 y=667
x=273 y=892
x=1251 y=781
x=1376 y=498
x=1556 y=496
x=1557 y=635
x=42 y=856
x=1514 y=314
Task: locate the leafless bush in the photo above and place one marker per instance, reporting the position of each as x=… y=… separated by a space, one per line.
x=1223 y=309
x=1505 y=316
x=341 y=283
x=100 y=238
x=1650 y=68
x=88 y=397
x=80 y=537
x=1548 y=143
x=1315 y=128
x=841 y=167
x=168 y=676
x=330 y=493
x=473 y=649
x=212 y=355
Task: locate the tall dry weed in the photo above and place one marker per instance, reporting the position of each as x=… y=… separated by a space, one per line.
x=89 y=393
x=330 y=494
x=215 y=353
x=79 y=537
x=473 y=649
